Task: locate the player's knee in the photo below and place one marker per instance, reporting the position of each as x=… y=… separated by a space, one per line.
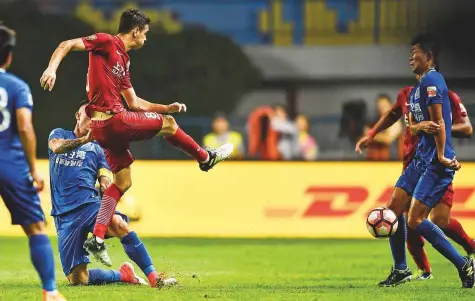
x=119 y=226
x=441 y=221
x=169 y=125
x=123 y=185
x=34 y=229
x=79 y=276
x=414 y=221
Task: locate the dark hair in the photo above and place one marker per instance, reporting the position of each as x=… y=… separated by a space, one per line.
x=83 y=102
x=383 y=96
x=428 y=43
x=7 y=42
x=132 y=18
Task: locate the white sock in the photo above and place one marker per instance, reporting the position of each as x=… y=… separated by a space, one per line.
x=99 y=240
x=206 y=161
x=52 y=293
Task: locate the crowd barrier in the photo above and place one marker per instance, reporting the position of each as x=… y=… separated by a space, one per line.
x=260 y=199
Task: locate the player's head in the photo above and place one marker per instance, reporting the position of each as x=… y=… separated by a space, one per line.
x=220 y=124
x=83 y=123
x=280 y=111
x=136 y=24
x=7 y=42
x=302 y=122
x=383 y=102
x=424 y=54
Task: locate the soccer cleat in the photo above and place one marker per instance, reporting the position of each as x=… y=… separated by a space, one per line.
x=423 y=275
x=159 y=281
x=127 y=274
x=97 y=250
x=396 y=277
x=217 y=155
x=53 y=296
x=466 y=274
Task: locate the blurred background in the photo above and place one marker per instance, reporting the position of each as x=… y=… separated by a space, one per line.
x=282 y=79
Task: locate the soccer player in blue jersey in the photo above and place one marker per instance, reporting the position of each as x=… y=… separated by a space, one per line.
x=76 y=202
x=432 y=170
x=18 y=171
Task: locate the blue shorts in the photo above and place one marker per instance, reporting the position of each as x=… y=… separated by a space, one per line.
x=426 y=184
x=73 y=228
x=19 y=195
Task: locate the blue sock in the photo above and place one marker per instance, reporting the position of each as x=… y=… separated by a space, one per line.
x=436 y=237
x=42 y=257
x=398 y=244
x=100 y=276
x=136 y=251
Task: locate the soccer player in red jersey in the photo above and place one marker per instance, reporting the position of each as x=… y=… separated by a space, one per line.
x=113 y=126
x=440 y=215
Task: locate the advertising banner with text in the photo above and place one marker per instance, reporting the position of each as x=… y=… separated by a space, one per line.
x=261 y=199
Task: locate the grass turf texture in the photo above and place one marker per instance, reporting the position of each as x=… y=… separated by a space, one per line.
x=246 y=269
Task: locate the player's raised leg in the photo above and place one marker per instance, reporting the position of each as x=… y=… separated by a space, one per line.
x=122 y=182
x=207 y=159
x=136 y=250
x=400 y=273
x=418 y=221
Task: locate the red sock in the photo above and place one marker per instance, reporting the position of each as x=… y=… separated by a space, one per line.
x=106 y=212
x=455 y=231
x=415 y=245
x=185 y=143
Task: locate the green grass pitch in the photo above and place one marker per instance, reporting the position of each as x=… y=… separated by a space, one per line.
x=246 y=269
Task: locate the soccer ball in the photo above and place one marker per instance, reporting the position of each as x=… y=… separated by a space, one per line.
x=382 y=222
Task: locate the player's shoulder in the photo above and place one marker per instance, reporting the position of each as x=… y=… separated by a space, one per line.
x=59 y=133
x=13 y=81
x=433 y=78
x=454 y=97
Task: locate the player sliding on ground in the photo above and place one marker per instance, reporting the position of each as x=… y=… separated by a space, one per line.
x=113 y=126
x=440 y=215
x=18 y=171
x=430 y=173
x=76 y=202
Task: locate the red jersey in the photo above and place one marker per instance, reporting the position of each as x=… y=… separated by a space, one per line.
x=410 y=141
x=108 y=74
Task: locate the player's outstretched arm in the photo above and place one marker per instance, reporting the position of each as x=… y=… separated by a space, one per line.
x=62 y=146
x=138 y=104
x=48 y=78
x=28 y=140
x=388 y=119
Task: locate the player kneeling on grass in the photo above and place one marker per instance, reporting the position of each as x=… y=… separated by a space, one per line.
x=76 y=203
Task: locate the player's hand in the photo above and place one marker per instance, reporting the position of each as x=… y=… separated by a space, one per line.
x=48 y=79
x=451 y=164
x=428 y=127
x=88 y=138
x=362 y=143
x=38 y=180
x=176 y=107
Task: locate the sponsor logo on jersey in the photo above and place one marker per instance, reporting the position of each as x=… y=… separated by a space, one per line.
x=431 y=91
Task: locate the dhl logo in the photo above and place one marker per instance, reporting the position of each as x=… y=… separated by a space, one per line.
x=343 y=201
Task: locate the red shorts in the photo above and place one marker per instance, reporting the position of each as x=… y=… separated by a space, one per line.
x=448 y=197
x=115 y=134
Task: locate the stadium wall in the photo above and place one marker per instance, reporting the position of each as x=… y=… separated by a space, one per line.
x=260 y=199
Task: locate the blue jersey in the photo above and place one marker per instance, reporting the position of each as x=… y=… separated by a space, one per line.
x=73 y=175
x=14 y=94
x=432 y=89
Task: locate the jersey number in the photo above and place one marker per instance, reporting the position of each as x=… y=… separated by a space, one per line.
x=6 y=118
